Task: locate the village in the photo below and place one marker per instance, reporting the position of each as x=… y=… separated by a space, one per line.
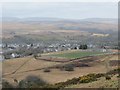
x=21 y=50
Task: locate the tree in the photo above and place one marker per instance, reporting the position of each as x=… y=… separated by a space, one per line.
x=75 y=48
x=83 y=46
x=31 y=82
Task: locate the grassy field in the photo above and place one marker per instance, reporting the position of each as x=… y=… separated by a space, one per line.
x=75 y=54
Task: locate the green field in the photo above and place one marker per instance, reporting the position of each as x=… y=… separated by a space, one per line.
x=75 y=54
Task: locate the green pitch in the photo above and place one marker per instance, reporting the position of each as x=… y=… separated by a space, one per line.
x=75 y=54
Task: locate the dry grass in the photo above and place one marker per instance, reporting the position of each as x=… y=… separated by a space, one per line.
x=35 y=67
x=27 y=63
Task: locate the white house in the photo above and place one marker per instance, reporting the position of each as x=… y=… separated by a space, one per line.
x=14 y=55
x=103 y=50
x=1 y=58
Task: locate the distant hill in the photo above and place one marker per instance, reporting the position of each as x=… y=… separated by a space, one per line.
x=48 y=19
x=102 y=20
x=56 y=28
x=90 y=25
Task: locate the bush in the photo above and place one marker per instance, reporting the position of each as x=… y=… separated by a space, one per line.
x=81 y=65
x=84 y=79
x=107 y=77
x=69 y=69
x=72 y=81
x=31 y=82
x=6 y=84
x=60 y=85
x=99 y=75
x=88 y=78
x=115 y=71
x=91 y=75
x=46 y=70
x=118 y=76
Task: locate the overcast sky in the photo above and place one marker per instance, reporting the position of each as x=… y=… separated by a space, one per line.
x=67 y=10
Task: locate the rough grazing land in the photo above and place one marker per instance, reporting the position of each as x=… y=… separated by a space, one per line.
x=23 y=67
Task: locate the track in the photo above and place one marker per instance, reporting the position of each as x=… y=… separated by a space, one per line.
x=17 y=68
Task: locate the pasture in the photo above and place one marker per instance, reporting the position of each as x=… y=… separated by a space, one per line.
x=74 y=54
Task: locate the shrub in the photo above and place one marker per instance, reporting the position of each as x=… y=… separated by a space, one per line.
x=81 y=65
x=115 y=71
x=99 y=75
x=6 y=84
x=31 y=82
x=118 y=76
x=46 y=70
x=60 y=85
x=107 y=77
x=72 y=81
x=91 y=75
x=69 y=67
x=87 y=79
x=84 y=79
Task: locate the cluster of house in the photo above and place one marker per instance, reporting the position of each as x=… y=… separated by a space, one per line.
x=47 y=48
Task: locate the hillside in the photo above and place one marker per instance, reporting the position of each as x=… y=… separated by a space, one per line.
x=22 y=67
x=100 y=83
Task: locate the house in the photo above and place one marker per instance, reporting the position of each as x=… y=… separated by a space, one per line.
x=56 y=49
x=1 y=45
x=104 y=50
x=15 y=55
x=1 y=58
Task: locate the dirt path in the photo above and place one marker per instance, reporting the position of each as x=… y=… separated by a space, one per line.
x=17 y=68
